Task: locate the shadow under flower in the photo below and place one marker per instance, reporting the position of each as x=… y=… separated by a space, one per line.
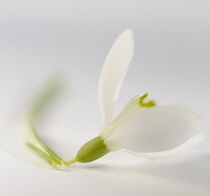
x=189 y=169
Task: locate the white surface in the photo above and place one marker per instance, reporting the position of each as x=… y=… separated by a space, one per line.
x=171 y=61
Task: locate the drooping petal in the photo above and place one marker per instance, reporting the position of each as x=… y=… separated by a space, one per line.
x=113 y=72
x=135 y=104
x=155 y=129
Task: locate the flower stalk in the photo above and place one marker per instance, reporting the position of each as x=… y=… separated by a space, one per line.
x=33 y=140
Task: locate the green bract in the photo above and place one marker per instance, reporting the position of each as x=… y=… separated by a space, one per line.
x=33 y=140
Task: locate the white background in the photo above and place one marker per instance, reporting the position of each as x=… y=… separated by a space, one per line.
x=171 y=61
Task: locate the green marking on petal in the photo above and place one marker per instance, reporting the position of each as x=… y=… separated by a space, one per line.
x=147 y=104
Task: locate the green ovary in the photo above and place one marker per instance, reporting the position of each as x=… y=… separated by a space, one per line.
x=92 y=150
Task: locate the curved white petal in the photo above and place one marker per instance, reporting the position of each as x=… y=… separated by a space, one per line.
x=181 y=148
x=134 y=105
x=113 y=72
x=155 y=129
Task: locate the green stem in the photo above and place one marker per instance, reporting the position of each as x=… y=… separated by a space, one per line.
x=34 y=114
x=70 y=161
x=40 y=152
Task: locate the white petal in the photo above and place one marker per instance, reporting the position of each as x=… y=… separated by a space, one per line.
x=197 y=138
x=130 y=108
x=155 y=129
x=113 y=72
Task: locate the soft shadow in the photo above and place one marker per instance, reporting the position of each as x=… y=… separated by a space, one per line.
x=193 y=169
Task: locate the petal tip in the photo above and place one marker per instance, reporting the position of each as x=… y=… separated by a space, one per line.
x=128 y=33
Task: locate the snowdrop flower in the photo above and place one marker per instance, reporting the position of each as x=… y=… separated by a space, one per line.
x=141 y=126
